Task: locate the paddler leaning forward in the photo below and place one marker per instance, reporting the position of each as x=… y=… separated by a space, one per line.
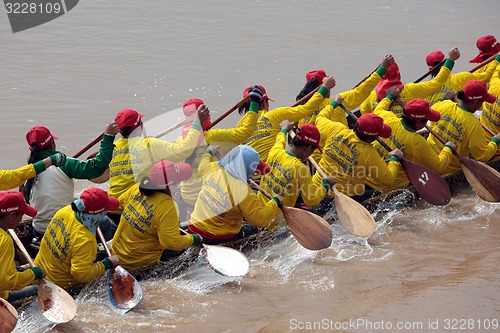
x=149 y=227
x=349 y=156
x=226 y=198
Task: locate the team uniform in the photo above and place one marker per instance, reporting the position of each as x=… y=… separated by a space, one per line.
x=268 y=124
x=413 y=145
x=224 y=201
x=289 y=177
x=14 y=178
x=68 y=251
x=348 y=159
x=464 y=129
x=456 y=81
x=133 y=158
x=411 y=90
x=11 y=279
x=352 y=99
x=148 y=226
x=54 y=188
x=490 y=116
x=227 y=138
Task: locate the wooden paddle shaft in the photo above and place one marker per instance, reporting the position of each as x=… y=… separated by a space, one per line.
x=433 y=132
x=313 y=162
x=21 y=247
x=90 y=145
x=429 y=72
x=307 y=97
x=347 y=111
x=487 y=61
x=254 y=184
x=228 y=112
x=176 y=126
x=488 y=129
x=103 y=241
x=490 y=59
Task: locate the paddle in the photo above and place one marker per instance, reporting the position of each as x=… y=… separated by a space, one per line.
x=483 y=179
x=228 y=112
x=428 y=183
x=310 y=230
x=176 y=126
x=487 y=129
x=487 y=61
x=124 y=291
x=429 y=72
x=8 y=316
x=306 y=97
x=54 y=302
x=225 y=260
x=90 y=145
x=105 y=176
x=355 y=218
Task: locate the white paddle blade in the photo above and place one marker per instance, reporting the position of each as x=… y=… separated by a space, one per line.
x=8 y=317
x=55 y=303
x=124 y=291
x=226 y=261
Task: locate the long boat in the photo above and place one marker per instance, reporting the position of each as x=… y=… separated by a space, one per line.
x=405 y=196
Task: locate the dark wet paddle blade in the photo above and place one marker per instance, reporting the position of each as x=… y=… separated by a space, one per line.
x=310 y=230
x=428 y=183
x=8 y=317
x=226 y=261
x=124 y=291
x=483 y=179
x=55 y=303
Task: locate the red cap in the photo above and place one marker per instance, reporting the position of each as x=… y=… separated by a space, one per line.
x=392 y=73
x=191 y=105
x=262 y=168
x=128 y=118
x=264 y=96
x=39 y=137
x=13 y=202
x=487 y=46
x=165 y=173
x=475 y=90
x=370 y=124
x=317 y=74
x=97 y=201
x=434 y=58
x=420 y=109
x=382 y=86
x=309 y=134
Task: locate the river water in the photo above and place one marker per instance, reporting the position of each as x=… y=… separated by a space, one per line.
x=426 y=269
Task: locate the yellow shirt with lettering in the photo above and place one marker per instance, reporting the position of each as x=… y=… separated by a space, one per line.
x=349 y=160
x=68 y=251
x=464 y=129
x=289 y=177
x=10 y=278
x=225 y=201
x=148 y=225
